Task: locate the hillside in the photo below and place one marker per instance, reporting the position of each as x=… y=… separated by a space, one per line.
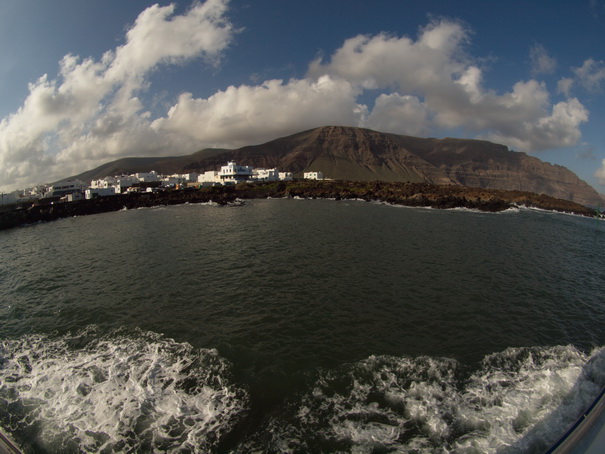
x=348 y=153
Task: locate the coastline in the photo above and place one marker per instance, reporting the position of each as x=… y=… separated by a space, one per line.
x=406 y=194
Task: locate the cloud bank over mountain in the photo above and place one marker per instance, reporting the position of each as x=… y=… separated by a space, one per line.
x=98 y=110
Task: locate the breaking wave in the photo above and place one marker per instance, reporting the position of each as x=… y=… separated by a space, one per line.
x=517 y=401
x=125 y=392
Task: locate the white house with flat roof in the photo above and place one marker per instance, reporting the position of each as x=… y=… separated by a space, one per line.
x=148 y=177
x=232 y=173
x=265 y=175
x=209 y=178
x=173 y=181
x=103 y=183
x=313 y=175
x=186 y=177
x=92 y=193
x=66 y=187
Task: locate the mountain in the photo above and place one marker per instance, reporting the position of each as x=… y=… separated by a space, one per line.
x=349 y=153
x=164 y=165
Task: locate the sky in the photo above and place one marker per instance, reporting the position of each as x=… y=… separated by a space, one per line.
x=87 y=82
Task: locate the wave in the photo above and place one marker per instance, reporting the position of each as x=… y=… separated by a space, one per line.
x=133 y=391
x=122 y=392
x=518 y=401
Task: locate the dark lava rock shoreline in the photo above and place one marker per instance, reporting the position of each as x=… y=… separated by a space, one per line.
x=407 y=194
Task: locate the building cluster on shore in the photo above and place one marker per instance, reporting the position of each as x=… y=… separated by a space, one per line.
x=72 y=190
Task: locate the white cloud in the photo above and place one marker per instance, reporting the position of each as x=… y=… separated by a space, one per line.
x=559 y=128
x=591 y=75
x=399 y=115
x=246 y=114
x=383 y=61
x=541 y=62
x=91 y=111
x=449 y=87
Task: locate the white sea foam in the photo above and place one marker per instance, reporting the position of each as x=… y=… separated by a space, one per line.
x=555 y=212
x=517 y=401
x=117 y=393
x=141 y=392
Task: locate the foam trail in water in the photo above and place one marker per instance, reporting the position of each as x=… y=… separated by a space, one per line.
x=517 y=401
x=121 y=392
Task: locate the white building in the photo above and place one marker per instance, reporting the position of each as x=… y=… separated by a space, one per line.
x=123 y=182
x=119 y=183
x=173 y=181
x=73 y=197
x=313 y=175
x=37 y=192
x=92 y=193
x=186 y=177
x=209 y=178
x=265 y=174
x=103 y=183
x=66 y=187
x=232 y=173
x=149 y=177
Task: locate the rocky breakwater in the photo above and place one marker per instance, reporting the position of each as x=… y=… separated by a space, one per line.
x=408 y=194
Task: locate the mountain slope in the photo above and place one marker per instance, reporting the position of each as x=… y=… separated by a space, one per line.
x=361 y=154
x=477 y=163
x=165 y=165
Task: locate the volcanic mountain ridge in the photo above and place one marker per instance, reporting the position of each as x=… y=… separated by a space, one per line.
x=349 y=153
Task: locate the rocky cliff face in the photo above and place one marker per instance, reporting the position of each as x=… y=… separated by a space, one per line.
x=477 y=163
x=364 y=155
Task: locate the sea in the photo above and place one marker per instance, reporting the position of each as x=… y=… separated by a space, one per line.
x=300 y=326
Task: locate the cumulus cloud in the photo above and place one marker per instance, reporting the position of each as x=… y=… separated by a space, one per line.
x=399 y=114
x=383 y=61
x=541 y=62
x=91 y=111
x=247 y=114
x=558 y=128
x=448 y=86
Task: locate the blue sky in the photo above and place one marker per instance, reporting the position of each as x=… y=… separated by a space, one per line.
x=86 y=82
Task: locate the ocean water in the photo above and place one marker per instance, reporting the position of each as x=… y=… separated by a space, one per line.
x=294 y=326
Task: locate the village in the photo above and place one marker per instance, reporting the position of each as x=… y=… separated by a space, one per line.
x=73 y=190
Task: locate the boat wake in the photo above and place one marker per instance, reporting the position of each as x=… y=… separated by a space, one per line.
x=518 y=401
x=134 y=391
